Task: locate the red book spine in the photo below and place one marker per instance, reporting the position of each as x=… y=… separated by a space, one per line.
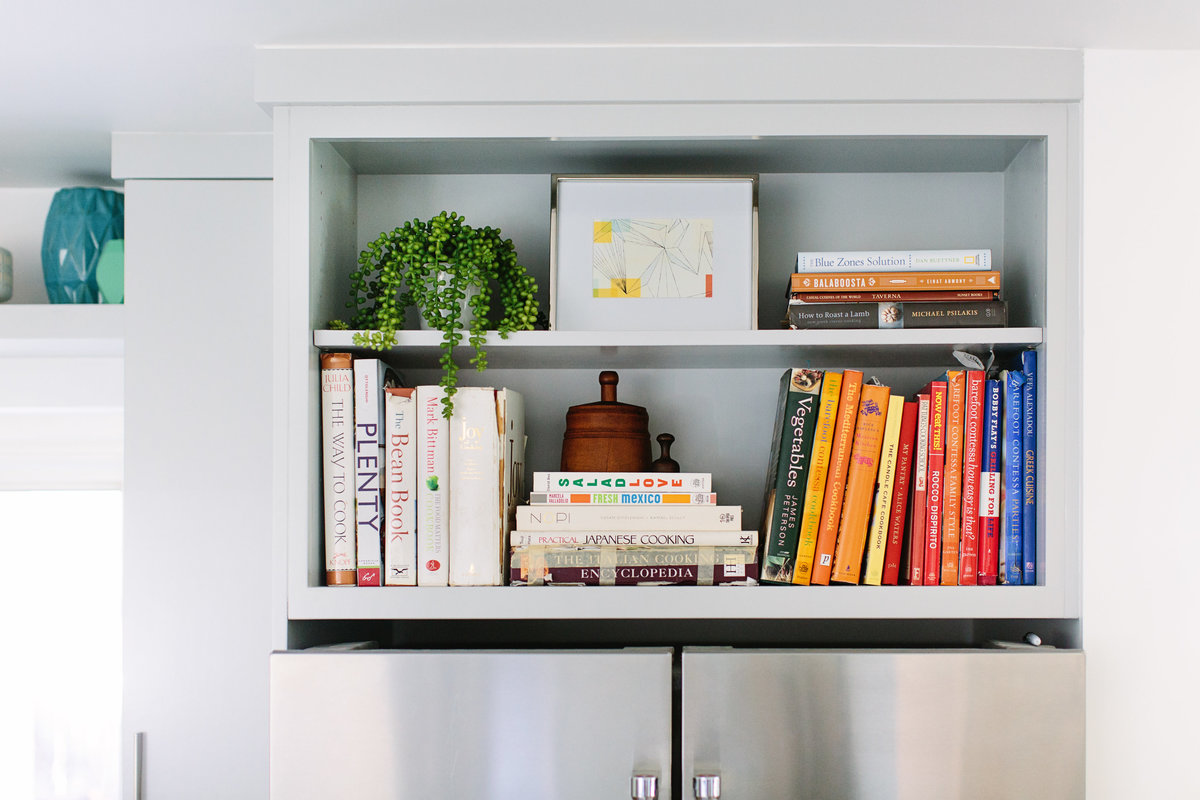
x=904 y=463
x=917 y=519
x=972 y=459
x=937 y=468
x=990 y=515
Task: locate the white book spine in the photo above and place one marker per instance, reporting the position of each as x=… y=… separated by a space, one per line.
x=399 y=533
x=921 y=468
x=433 y=488
x=475 y=488
x=617 y=481
x=369 y=380
x=894 y=260
x=634 y=538
x=337 y=443
x=510 y=406
x=586 y=517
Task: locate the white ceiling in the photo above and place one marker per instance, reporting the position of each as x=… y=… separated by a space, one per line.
x=71 y=72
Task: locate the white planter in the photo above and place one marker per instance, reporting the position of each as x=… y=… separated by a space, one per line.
x=443 y=279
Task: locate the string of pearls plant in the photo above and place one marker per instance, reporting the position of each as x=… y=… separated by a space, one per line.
x=446 y=270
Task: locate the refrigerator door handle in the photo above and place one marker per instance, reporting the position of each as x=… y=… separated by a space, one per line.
x=139 y=759
x=706 y=787
x=643 y=786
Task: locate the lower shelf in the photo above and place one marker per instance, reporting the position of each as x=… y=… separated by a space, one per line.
x=679 y=602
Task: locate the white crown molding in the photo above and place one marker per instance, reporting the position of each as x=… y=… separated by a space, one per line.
x=660 y=74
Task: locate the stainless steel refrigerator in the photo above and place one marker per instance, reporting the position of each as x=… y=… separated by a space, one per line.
x=734 y=723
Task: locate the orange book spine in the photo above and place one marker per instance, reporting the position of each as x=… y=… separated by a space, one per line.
x=893 y=281
x=860 y=483
x=835 y=482
x=956 y=389
x=818 y=470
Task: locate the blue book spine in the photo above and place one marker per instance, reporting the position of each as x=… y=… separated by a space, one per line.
x=1014 y=457
x=1029 y=469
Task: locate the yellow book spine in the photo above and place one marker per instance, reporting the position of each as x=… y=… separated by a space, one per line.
x=818 y=469
x=860 y=483
x=877 y=538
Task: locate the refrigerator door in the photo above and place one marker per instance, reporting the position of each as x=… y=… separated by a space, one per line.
x=469 y=724
x=818 y=724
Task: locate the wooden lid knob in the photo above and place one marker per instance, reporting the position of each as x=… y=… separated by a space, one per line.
x=608 y=386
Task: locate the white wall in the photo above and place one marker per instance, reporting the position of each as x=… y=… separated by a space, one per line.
x=22 y=221
x=1141 y=585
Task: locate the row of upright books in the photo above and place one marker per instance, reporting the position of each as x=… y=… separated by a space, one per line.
x=411 y=497
x=863 y=486
x=895 y=289
x=630 y=529
x=869 y=487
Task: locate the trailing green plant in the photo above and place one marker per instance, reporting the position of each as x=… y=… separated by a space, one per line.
x=444 y=268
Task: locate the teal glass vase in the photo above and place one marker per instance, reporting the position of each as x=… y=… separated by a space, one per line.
x=78 y=224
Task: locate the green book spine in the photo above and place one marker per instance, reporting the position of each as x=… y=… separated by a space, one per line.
x=795 y=422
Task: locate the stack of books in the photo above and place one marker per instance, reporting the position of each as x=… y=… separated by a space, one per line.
x=629 y=529
x=866 y=486
x=898 y=289
x=410 y=497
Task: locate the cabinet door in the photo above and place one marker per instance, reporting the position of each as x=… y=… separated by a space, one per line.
x=898 y=724
x=471 y=724
x=197 y=563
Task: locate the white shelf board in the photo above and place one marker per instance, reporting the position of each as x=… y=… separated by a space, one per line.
x=59 y=330
x=732 y=155
x=678 y=602
x=681 y=349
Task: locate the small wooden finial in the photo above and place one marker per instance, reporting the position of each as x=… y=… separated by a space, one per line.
x=608 y=386
x=665 y=463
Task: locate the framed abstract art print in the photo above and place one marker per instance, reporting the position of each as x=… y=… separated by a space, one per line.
x=634 y=253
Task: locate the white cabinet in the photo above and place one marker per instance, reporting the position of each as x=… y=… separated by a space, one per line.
x=987 y=156
x=197 y=567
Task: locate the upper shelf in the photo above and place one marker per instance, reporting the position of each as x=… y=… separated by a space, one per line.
x=746 y=154
x=62 y=330
x=708 y=349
